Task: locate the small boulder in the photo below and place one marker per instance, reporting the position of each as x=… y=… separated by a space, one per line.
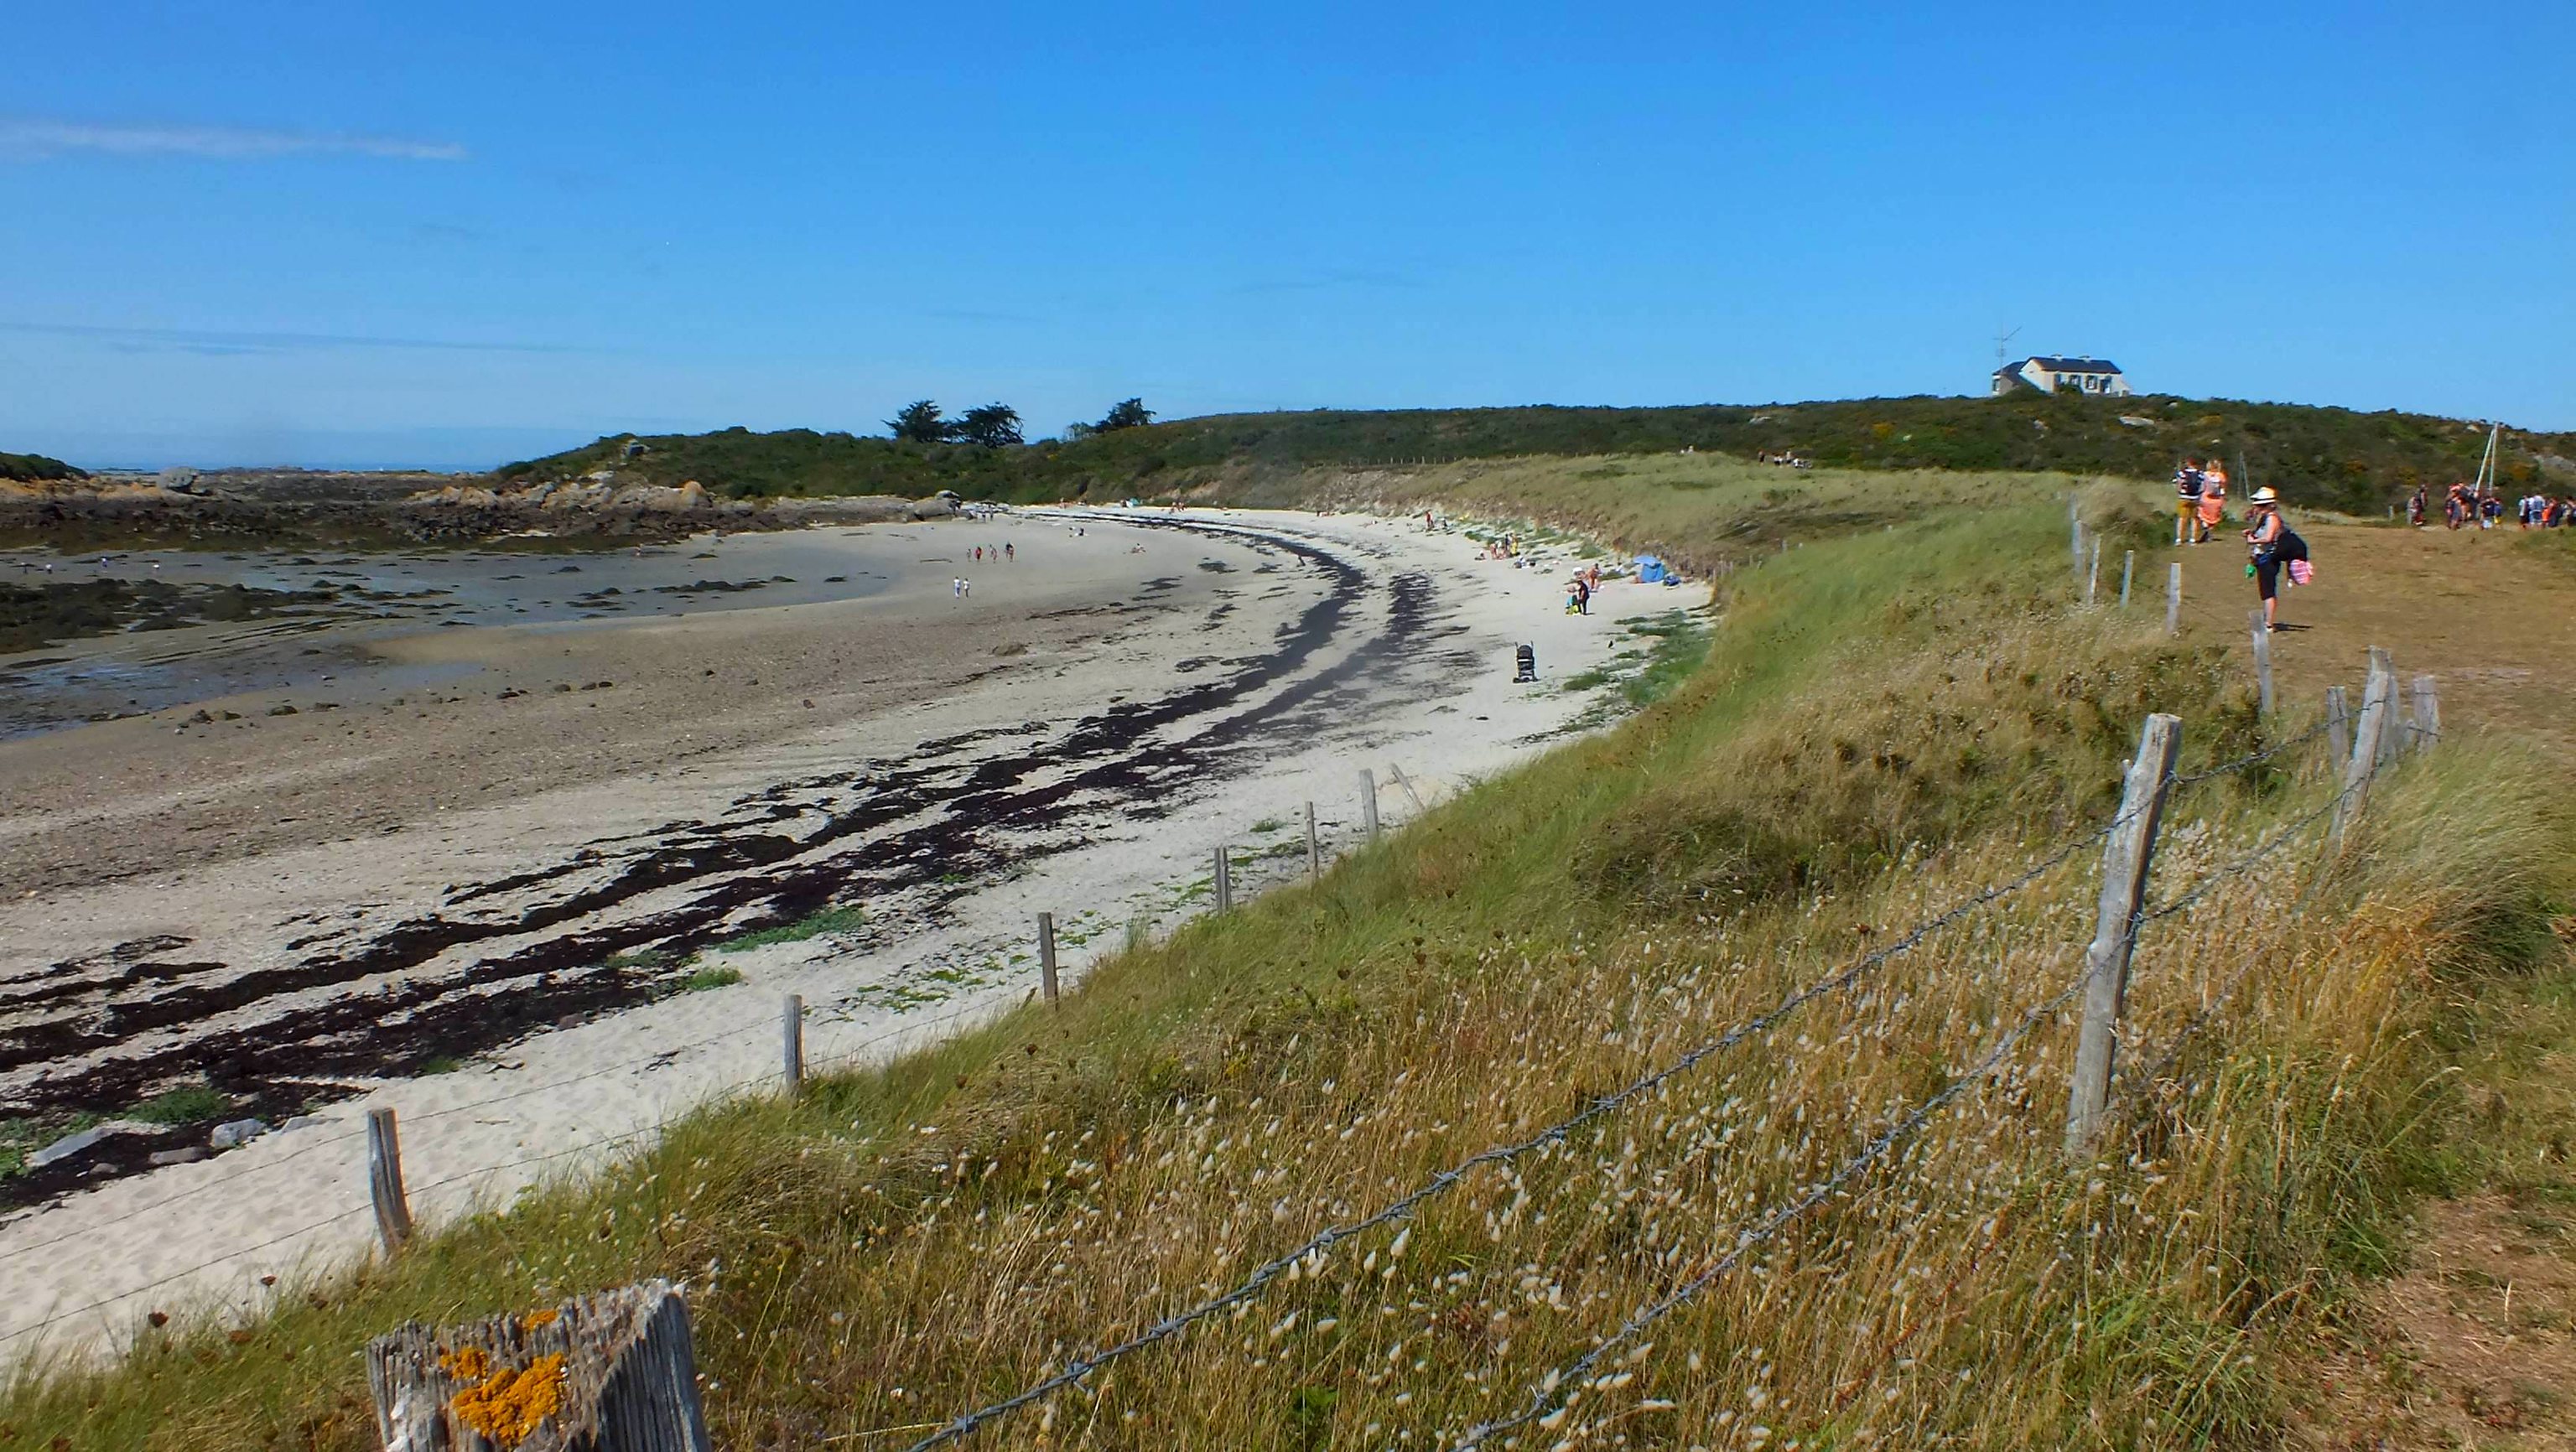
x=236 y=1132
x=66 y=1147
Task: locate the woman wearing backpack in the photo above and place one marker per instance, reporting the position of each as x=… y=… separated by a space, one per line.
x=2274 y=546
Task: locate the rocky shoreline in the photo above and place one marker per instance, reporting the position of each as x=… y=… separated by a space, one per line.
x=181 y=508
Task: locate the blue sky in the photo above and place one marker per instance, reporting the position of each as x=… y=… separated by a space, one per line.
x=260 y=232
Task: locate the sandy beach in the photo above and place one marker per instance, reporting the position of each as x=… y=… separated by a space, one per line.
x=474 y=886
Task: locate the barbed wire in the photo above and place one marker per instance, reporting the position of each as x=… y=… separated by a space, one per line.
x=110 y=1300
x=1543 y=1398
x=2177 y=783
x=189 y=1193
x=2130 y=1083
x=1261 y=1276
x=2229 y=872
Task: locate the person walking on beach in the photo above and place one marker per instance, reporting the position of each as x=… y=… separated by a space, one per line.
x=2454 y=505
x=1010 y=551
x=2273 y=547
x=2187 y=486
x=2415 y=507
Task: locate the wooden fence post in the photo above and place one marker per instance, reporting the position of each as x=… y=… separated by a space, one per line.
x=2338 y=729
x=2428 y=714
x=2128 y=567
x=1224 y=880
x=2173 y=600
x=1314 y=854
x=2093 y=573
x=385 y=1180
x=2378 y=696
x=1368 y=801
x=617 y=1367
x=2392 y=731
x=791 y=1024
x=2263 y=662
x=1046 y=955
x=2126 y=857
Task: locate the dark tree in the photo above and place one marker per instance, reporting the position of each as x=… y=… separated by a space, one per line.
x=995 y=425
x=922 y=423
x=1131 y=414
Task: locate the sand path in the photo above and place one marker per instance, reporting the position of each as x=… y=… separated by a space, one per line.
x=2490 y=614
x=1076 y=738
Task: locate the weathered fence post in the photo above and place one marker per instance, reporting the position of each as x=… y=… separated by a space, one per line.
x=2378 y=700
x=1046 y=954
x=2263 y=662
x=791 y=1024
x=1368 y=801
x=1224 y=880
x=2128 y=567
x=2093 y=573
x=612 y=1371
x=2126 y=857
x=2392 y=731
x=1314 y=855
x=2173 y=600
x=2338 y=729
x=385 y=1180
x=2428 y=714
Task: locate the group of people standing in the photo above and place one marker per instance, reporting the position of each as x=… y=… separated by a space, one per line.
x=2200 y=500
x=2464 y=504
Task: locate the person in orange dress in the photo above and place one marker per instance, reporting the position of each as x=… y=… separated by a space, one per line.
x=2213 y=498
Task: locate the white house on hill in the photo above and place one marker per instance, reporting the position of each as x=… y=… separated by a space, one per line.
x=2074 y=375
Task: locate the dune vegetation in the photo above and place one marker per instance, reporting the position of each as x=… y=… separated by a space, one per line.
x=2341 y=458
x=1860 y=1216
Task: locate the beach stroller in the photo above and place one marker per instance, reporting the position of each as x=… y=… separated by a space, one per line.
x=1525 y=664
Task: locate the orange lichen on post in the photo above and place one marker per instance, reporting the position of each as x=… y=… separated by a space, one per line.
x=465 y=1363
x=507 y=1405
x=535 y=1319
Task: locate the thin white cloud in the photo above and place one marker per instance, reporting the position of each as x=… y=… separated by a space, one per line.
x=34 y=139
x=197 y=340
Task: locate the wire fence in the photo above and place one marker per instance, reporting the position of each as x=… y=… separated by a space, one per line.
x=1249 y=1286
x=1562 y=1387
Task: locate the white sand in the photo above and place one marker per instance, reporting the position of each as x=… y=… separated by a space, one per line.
x=78 y=1274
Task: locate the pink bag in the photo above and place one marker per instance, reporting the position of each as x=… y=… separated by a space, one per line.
x=2302 y=573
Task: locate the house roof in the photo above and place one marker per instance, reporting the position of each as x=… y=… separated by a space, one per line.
x=2072 y=365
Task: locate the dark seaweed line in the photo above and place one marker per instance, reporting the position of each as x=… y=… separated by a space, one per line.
x=451 y=1015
